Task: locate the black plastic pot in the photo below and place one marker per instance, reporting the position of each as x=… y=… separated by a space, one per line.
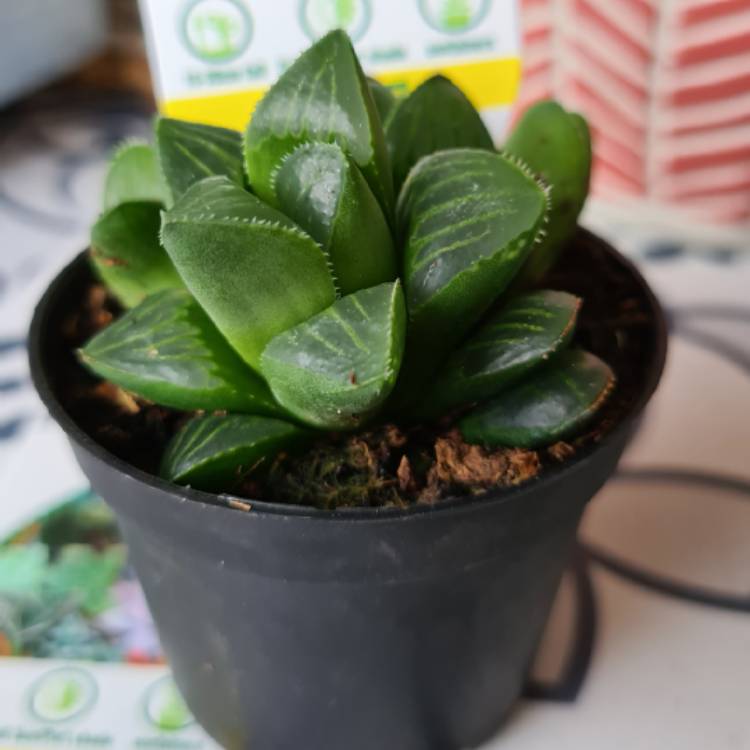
x=293 y=628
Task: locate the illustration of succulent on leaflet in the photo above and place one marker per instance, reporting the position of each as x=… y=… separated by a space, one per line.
x=66 y=590
x=456 y=14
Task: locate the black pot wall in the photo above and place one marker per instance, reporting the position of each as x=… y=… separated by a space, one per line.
x=293 y=628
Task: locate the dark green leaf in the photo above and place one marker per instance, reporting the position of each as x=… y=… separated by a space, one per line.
x=168 y=351
x=323 y=96
x=254 y=271
x=190 y=152
x=126 y=253
x=436 y=116
x=134 y=176
x=523 y=334
x=556 y=145
x=336 y=369
x=214 y=453
x=469 y=217
x=321 y=189
x=385 y=100
x=552 y=404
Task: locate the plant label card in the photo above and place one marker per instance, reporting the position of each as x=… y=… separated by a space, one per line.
x=212 y=60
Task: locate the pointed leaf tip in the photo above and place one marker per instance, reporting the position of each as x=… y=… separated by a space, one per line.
x=336 y=369
x=319 y=187
x=266 y=274
x=551 y=405
x=215 y=453
x=323 y=96
x=166 y=350
x=189 y=152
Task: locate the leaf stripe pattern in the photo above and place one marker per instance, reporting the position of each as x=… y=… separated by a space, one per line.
x=336 y=369
x=267 y=275
x=168 y=351
x=189 y=152
x=323 y=190
x=520 y=336
x=208 y=449
x=436 y=116
x=469 y=218
x=552 y=404
x=338 y=108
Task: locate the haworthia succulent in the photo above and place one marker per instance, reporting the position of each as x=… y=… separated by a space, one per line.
x=526 y=332
x=168 y=351
x=126 y=253
x=469 y=217
x=321 y=189
x=134 y=176
x=211 y=452
x=385 y=100
x=189 y=152
x=556 y=145
x=549 y=406
x=434 y=117
x=253 y=270
x=323 y=96
x=336 y=369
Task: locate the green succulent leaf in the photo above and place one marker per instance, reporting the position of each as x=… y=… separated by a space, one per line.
x=336 y=369
x=134 y=176
x=321 y=189
x=190 y=152
x=213 y=453
x=254 y=271
x=436 y=116
x=323 y=96
x=126 y=253
x=385 y=100
x=167 y=350
x=556 y=145
x=551 y=405
x=469 y=217
x=519 y=337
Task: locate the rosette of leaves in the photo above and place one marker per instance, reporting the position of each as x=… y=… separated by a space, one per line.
x=349 y=259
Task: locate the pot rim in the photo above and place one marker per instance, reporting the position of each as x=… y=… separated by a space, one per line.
x=42 y=383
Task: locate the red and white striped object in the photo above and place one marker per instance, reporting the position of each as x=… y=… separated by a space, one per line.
x=665 y=85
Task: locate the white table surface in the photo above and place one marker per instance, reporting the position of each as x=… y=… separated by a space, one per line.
x=649 y=644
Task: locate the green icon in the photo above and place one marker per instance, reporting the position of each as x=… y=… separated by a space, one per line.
x=454 y=16
x=321 y=16
x=62 y=694
x=165 y=707
x=217 y=31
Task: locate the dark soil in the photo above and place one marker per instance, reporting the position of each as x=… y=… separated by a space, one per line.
x=387 y=465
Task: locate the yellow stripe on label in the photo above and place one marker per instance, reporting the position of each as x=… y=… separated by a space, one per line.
x=489 y=83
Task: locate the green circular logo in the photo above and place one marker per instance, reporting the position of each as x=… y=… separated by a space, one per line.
x=217 y=31
x=321 y=16
x=166 y=708
x=62 y=694
x=454 y=16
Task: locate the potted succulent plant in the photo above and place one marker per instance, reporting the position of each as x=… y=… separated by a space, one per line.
x=349 y=386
